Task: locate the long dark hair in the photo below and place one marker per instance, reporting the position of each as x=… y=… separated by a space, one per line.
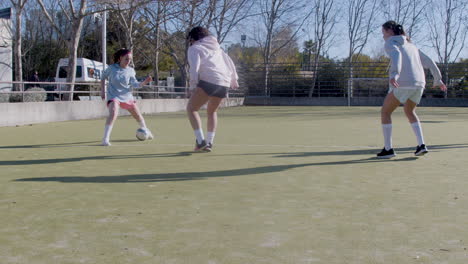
x=198 y=33
x=120 y=53
x=395 y=27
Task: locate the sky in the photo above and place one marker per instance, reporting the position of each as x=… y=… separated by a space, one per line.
x=339 y=49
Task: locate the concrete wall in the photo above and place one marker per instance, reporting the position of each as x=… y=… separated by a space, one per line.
x=12 y=114
x=343 y=101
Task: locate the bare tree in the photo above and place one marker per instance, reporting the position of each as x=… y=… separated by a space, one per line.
x=73 y=13
x=448 y=25
x=324 y=20
x=220 y=15
x=190 y=13
x=409 y=13
x=18 y=6
x=276 y=15
x=360 y=18
x=157 y=14
x=128 y=13
x=228 y=15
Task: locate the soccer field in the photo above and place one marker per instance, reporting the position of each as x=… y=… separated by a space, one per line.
x=283 y=185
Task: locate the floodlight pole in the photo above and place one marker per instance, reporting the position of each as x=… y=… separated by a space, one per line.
x=104 y=40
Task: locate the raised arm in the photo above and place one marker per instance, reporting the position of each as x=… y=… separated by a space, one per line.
x=134 y=83
x=430 y=64
x=232 y=68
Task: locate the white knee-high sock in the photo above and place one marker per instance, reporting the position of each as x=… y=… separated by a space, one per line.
x=107 y=132
x=199 y=135
x=418 y=132
x=387 y=133
x=142 y=123
x=210 y=137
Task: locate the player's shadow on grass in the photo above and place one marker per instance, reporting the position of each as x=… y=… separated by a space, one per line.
x=49 y=145
x=78 y=159
x=187 y=176
x=70 y=144
x=371 y=152
x=432 y=122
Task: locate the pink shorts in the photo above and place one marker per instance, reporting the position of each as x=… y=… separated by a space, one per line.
x=129 y=105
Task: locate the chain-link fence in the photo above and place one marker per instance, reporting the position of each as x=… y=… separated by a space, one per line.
x=16 y=92
x=340 y=79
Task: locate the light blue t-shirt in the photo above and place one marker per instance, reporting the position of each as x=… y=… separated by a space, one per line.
x=121 y=82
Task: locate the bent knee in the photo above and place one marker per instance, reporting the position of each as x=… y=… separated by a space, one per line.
x=211 y=111
x=114 y=112
x=385 y=112
x=409 y=112
x=191 y=108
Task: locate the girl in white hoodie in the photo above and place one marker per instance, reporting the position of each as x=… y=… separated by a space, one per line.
x=407 y=82
x=212 y=73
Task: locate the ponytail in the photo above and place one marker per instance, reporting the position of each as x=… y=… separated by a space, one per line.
x=399 y=30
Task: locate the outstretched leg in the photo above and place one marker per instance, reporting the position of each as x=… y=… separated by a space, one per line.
x=135 y=112
x=389 y=105
x=413 y=119
x=196 y=101
x=113 y=113
x=212 y=116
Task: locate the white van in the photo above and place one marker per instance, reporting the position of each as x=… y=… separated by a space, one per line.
x=86 y=70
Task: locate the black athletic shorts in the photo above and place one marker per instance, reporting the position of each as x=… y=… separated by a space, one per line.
x=213 y=89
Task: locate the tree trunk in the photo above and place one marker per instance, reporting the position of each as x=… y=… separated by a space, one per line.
x=267 y=61
x=73 y=48
x=17 y=49
x=314 y=76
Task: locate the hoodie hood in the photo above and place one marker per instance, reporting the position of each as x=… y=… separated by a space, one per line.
x=400 y=39
x=209 y=44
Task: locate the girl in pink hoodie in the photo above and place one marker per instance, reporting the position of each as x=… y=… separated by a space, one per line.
x=212 y=74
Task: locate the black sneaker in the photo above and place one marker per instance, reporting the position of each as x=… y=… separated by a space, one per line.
x=421 y=150
x=200 y=147
x=208 y=147
x=386 y=154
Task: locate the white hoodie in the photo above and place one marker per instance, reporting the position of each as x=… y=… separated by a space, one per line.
x=208 y=62
x=408 y=63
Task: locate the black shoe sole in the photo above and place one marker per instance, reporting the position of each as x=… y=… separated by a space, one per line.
x=387 y=156
x=202 y=150
x=421 y=153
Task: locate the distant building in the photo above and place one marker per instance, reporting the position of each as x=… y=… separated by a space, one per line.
x=6 y=51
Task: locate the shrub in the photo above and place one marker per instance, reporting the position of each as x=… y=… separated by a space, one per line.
x=146 y=95
x=4 y=97
x=33 y=97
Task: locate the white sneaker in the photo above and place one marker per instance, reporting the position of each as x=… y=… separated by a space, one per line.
x=105 y=143
x=150 y=135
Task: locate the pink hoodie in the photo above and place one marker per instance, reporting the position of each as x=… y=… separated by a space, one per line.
x=208 y=62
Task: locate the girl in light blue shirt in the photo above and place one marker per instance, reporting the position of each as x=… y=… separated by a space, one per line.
x=119 y=92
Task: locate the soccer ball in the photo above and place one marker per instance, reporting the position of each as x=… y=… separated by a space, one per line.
x=141 y=134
